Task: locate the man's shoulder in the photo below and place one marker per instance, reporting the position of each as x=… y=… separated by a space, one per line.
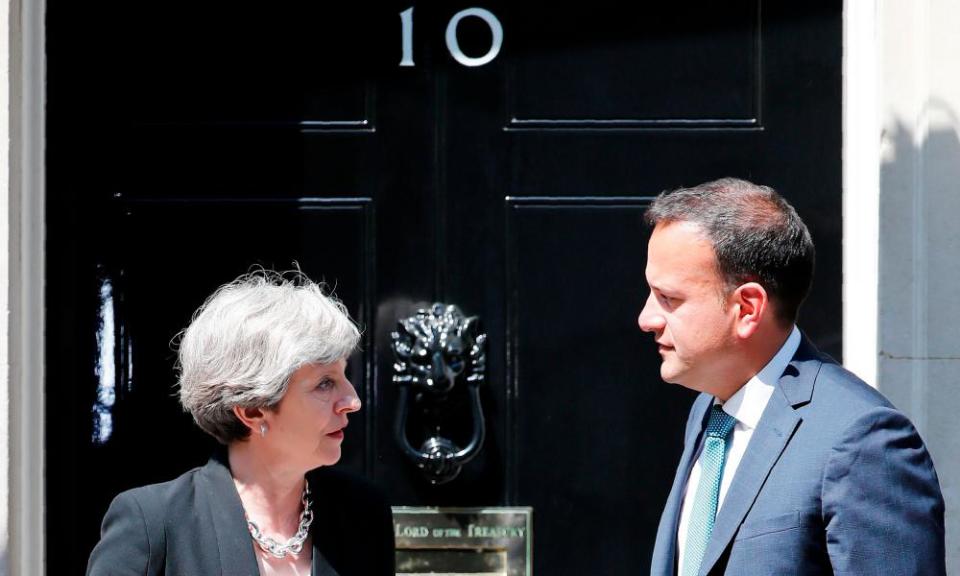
x=839 y=387
x=842 y=401
x=823 y=381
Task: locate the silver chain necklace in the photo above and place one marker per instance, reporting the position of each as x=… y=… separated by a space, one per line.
x=295 y=544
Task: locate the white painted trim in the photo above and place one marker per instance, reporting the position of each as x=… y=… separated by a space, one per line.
x=861 y=188
x=27 y=264
x=5 y=38
x=922 y=41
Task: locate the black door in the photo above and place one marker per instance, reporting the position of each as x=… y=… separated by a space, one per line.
x=189 y=141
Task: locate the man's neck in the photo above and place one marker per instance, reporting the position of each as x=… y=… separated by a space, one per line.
x=756 y=353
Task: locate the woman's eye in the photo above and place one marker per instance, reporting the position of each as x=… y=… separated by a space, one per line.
x=326 y=384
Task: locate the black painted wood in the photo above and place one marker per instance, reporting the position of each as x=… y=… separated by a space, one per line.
x=189 y=141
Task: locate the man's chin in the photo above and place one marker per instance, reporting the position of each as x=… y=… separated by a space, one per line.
x=678 y=378
x=669 y=375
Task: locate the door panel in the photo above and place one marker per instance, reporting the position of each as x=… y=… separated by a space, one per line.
x=693 y=65
x=189 y=141
x=586 y=424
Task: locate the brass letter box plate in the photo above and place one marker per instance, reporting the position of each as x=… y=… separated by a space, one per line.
x=463 y=541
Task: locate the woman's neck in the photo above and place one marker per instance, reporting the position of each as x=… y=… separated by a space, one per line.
x=271 y=493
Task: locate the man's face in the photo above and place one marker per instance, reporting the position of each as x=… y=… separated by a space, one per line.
x=686 y=310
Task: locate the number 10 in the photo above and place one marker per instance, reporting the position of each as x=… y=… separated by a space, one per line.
x=453 y=45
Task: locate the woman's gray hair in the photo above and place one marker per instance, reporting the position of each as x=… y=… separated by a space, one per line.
x=248 y=338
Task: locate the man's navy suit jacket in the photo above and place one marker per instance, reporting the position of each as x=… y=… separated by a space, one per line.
x=834 y=481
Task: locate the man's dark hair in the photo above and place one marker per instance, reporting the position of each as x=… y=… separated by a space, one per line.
x=756 y=235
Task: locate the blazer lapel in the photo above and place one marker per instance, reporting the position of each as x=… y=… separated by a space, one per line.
x=768 y=441
x=664 y=560
x=230 y=525
x=327 y=533
x=773 y=433
x=320 y=566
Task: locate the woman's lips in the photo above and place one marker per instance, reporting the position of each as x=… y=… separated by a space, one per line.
x=338 y=435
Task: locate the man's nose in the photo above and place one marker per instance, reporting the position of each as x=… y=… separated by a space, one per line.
x=650 y=320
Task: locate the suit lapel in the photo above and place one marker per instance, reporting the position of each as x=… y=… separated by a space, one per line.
x=236 y=549
x=665 y=560
x=769 y=439
x=773 y=433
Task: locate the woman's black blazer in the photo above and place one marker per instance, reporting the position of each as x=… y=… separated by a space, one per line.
x=195 y=525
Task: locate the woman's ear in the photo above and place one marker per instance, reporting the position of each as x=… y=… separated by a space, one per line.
x=252 y=418
x=752 y=307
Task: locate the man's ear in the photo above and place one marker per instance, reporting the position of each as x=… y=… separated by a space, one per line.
x=250 y=417
x=753 y=305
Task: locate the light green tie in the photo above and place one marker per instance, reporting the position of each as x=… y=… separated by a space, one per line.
x=704 y=512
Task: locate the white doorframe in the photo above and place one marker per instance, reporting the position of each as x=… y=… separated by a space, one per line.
x=861 y=188
x=25 y=545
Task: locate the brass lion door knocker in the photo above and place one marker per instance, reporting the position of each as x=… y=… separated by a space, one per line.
x=438 y=353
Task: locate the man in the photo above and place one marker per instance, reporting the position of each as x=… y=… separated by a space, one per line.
x=791 y=464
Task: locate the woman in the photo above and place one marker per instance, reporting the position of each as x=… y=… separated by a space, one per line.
x=262 y=369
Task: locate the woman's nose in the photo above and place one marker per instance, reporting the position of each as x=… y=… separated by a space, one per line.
x=350 y=402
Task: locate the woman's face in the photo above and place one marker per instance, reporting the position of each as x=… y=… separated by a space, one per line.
x=307 y=426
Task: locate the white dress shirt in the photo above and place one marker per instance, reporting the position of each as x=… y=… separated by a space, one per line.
x=746 y=406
